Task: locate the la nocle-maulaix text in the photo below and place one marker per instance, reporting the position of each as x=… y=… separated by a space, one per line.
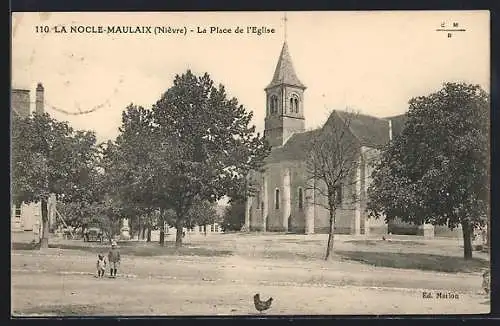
x=92 y=29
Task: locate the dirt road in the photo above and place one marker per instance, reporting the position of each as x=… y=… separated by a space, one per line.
x=62 y=283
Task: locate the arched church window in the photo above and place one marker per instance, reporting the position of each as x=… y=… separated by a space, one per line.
x=294 y=104
x=274 y=104
x=301 y=198
x=277 y=199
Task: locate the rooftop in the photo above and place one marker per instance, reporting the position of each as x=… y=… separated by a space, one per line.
x=370 y=131
x=284 y=72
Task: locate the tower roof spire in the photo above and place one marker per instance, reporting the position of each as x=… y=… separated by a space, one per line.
x=284 y=72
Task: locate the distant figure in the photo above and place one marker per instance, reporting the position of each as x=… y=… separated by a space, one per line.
x=486 y=282
x=101 y=265
x=261 y=305
x=114 y=259
x=183 y=234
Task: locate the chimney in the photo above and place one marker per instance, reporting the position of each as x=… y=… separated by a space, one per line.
x=39 y=107
x=390 y=130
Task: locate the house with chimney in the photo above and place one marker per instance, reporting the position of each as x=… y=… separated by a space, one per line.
x=25 y=217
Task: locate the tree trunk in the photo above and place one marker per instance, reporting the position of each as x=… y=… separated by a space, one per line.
x=205 y=229
x=162 y=228
x=162 y=236
x=178 y=233
x=149 y=235
x=44 y=243
x=467 y=235
x=329 y=247
x=143 y=233
x=488 y=232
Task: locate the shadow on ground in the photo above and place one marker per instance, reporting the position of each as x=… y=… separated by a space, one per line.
x=288 y=255
x=133 y=249
x=421 y=261
x=389 y=243
x=295 y=241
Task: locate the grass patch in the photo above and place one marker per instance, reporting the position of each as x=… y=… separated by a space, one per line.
x=61 y=310
x=134 y=249
x=425 y=262
x=24 y=246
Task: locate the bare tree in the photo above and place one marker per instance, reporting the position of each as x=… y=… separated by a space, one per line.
x=332 y=165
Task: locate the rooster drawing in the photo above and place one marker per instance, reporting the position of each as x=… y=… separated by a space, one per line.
x=261 y=305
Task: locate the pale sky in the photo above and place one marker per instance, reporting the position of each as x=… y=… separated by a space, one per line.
x=370 y=61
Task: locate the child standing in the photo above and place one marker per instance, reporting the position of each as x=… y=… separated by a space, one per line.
x=114 y=259
x=101 y=265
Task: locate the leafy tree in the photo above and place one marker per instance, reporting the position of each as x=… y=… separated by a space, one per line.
x=234 y=216
x=105 y=214
x=109 y=213
x=208 y=143
x=128 y=165
x=437 y=171
x=202 y=213
x=138 y=164
x=150 y=223
x=49 y=157
x=78 y=214
x=143 y=223
x=333 y=160
x=80 y=207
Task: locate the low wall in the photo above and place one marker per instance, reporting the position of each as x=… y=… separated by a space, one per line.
x=445 y=232
x=338 y=230
x=376 y=229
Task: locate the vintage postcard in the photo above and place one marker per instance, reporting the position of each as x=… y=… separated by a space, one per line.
x=250 y=163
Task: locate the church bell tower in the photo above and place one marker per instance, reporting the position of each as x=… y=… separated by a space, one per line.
x=284 y=102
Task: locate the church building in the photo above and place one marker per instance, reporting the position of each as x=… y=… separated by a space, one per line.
x=284 y=201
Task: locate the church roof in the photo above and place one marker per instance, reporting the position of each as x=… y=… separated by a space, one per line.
x=296 y=148
x=284 y=72
x=370 y=131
